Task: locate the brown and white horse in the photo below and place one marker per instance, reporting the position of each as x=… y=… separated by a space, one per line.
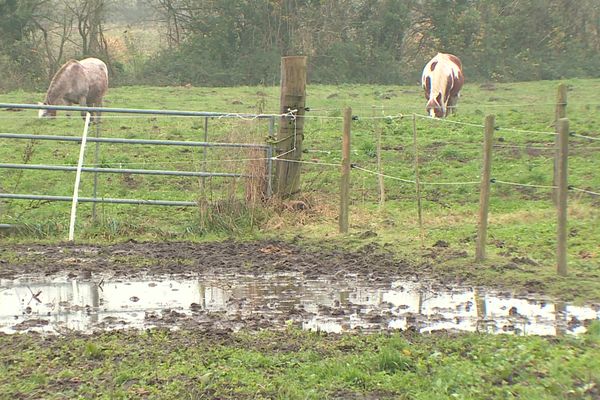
x=442 y=81
x=82 y=82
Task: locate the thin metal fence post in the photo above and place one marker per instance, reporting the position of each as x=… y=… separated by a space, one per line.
x=205 y=153
x=484 y=194
x=96 y=159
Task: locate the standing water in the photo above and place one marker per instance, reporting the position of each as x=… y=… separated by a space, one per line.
x=274 y=301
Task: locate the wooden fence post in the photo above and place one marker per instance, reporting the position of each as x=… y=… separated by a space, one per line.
x=418 y=183
x=484 y=194
x=379 y=169
x=291 y=131
x=563 y=141
x=345 y=180
x=561 y=112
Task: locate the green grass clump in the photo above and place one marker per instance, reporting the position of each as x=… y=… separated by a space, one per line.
x=299 y=365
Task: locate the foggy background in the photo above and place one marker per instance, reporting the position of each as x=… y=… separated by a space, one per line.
x=228 y=43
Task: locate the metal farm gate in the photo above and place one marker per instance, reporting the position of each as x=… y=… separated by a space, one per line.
x=84 y=139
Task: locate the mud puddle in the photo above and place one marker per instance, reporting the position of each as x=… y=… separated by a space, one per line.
x=274 y=301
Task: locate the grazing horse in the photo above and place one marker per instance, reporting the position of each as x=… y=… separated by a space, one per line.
x=442 y=80
x=77 y=82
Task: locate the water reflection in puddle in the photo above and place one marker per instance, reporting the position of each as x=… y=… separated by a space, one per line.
x=272 y=301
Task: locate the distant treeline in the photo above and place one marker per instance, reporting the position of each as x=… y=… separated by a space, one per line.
x=227 y=43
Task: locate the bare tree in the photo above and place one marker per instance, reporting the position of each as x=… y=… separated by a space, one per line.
x=175 y=15
x=90 y=16
x=54 y=29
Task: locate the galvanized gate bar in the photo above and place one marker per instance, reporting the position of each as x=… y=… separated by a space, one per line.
x=132 y=141
x=138 y=111
x=268 y=148
x=122 y=170
x=100 y=200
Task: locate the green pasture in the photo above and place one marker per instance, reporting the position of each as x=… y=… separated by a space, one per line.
x=305 y=365
x=522 y=217
x=159 y=364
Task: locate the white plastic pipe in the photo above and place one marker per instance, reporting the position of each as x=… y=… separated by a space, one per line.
x=78 y=177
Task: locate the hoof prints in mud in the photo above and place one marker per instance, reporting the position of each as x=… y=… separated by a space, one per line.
x=228 y=302
x=131 y=259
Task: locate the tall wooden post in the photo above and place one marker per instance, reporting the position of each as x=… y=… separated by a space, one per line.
x=418 y=183
x=345 y=180
x=291 y=130
x=484 y=194
x=561 y=112
x=379 y=169
x=561 y=207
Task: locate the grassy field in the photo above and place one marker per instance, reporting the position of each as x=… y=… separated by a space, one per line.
x=300 y=365
x=522 y=218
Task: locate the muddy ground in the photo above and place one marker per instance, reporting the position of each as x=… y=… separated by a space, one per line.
x=179 y=258
x=132 y=260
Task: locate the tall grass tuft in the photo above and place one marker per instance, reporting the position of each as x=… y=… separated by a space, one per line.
x=394 y=356
x=256 y=183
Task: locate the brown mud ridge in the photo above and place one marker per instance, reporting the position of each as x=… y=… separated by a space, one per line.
x=179 y=258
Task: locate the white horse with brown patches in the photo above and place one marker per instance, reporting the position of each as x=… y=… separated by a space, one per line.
x=442 y=81
x=82 y=82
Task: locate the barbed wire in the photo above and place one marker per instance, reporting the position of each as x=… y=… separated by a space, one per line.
x=354 y=166
x=584 y=191
x=497 y=128
x=463 y=105
x=585 y=137
x=305 y=116
x=525 y=147
x=471 y=124
x=328 y=152
x=526 y=131
x=293 y=115
x=444 y=120
x=357 y=167
x=494 y=180
x=382 y=117
x=307 y=162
